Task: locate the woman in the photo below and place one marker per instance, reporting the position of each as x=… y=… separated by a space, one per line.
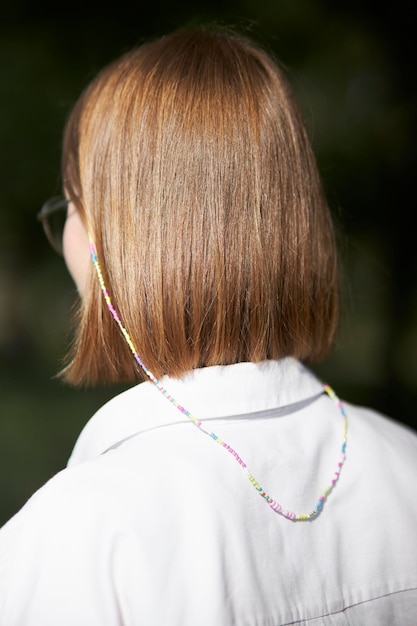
x=232 y=487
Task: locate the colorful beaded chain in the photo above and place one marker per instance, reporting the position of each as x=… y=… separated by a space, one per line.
x=271 y=502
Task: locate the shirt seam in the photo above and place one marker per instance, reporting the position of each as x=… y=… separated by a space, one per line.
x=350 y=606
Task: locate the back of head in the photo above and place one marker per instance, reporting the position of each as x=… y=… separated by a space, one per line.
x=190 y=164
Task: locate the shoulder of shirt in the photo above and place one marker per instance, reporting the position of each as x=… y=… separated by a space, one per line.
x=137 y=407
x=381 y=440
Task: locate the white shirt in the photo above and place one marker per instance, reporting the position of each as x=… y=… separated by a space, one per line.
x=153 y=523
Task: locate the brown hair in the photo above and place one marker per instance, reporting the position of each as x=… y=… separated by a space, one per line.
x=189 y=161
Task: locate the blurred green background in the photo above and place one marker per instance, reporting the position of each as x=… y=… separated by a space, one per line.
x=352 y=67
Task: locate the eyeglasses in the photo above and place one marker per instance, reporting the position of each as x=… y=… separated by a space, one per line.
x=53 y=216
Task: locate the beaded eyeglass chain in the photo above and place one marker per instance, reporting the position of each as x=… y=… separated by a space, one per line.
x=270 y=501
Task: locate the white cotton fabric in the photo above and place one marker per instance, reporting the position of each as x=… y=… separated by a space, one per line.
x=154 y=524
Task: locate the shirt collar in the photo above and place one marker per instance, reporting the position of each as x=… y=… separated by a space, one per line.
x=223 y=391
x=243 y=389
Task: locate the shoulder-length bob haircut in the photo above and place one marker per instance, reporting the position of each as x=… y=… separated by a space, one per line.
x=191 y=166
